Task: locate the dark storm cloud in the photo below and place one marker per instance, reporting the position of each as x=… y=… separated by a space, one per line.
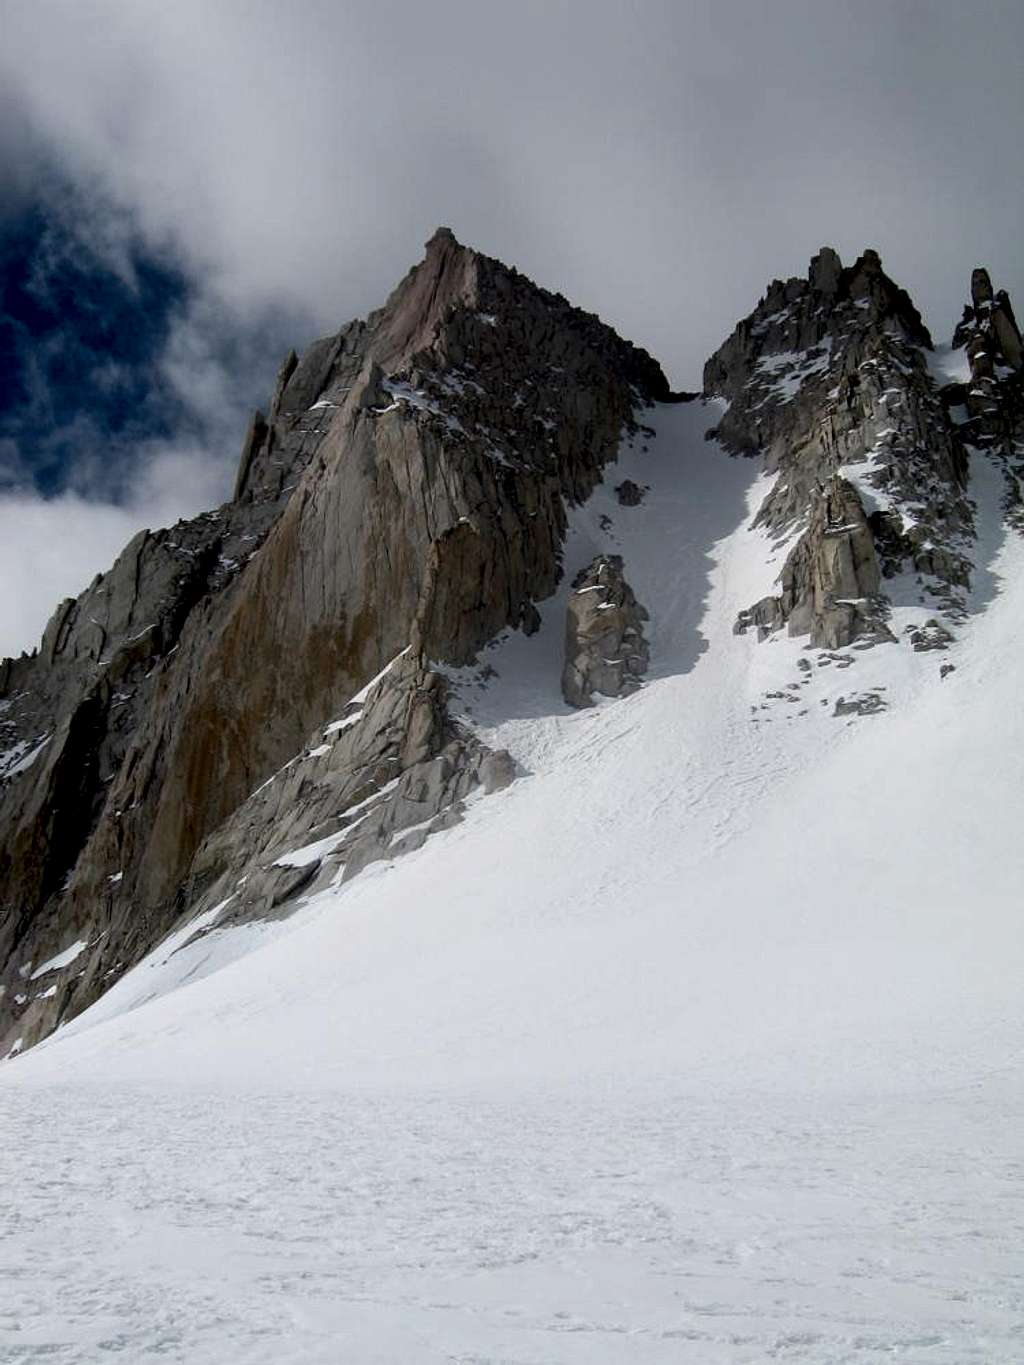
x=656 y=161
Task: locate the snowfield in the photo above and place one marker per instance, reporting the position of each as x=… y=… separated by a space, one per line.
x=699 y=1043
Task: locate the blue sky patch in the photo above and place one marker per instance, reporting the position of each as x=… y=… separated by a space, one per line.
x=81 y=339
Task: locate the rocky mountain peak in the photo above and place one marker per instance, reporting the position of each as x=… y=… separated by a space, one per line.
x=870 y=287
x=830 y=378
x=413 y=318
x=403 y=499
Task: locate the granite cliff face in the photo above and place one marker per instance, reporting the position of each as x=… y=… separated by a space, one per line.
x=404 y=496
x=253 y=705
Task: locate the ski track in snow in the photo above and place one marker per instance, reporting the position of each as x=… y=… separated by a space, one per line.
x=699 y=1043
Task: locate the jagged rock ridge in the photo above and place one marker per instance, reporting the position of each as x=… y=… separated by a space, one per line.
x=829 y=378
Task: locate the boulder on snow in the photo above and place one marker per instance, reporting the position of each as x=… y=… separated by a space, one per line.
x=605 y=649
x=629 y=494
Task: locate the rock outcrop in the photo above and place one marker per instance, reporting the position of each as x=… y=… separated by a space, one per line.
x=373 y=784
x=831 y=581
x=990 y=408
x=829 y=379
x=605 y=649
x=407 y=489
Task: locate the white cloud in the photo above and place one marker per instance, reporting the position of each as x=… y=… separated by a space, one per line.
x=658 y=162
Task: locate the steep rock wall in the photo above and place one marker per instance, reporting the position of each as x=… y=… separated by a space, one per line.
x=407 y=486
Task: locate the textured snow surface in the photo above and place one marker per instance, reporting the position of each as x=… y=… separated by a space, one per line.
x=699 y=1043
x=590 y=1226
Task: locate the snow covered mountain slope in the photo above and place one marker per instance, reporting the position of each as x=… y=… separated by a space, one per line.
x=724 y=810
x=698 y=1042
